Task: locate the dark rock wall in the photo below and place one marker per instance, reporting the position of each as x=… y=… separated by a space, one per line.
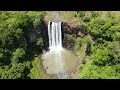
x=69 y=34
x=38 y=32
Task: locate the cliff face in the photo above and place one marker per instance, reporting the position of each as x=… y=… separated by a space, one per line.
x=41 y=31
x=70 y=30
x=69 y=34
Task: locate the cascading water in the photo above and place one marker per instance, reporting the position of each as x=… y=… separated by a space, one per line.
x=58 y=61
x=55 y=35
x=55 y=44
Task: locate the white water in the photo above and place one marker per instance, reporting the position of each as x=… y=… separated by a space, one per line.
x=55 y=46
x=58 y=61
x=55 y=35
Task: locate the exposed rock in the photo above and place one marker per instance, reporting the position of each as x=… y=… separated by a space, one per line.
x=68 y=41
x=32 y=37
x=1 y=28
x=70 y=30
x=56 y=16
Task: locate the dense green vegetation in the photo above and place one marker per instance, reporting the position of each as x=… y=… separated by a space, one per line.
x=98 y=46
x=17 y=52
x=37 y=72
x=101 y=57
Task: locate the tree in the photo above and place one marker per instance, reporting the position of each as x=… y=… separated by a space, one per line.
x=15 y=72
x=16 y=52
x=91 y=71
x=104 y=49
x=95 y=27
x=18 y=55
x=114 y=52
x=40 y=42
x=95 y=13
x=86 y=19
x=100 y=57
x=81 y=13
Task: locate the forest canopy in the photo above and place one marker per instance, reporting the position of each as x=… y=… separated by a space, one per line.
x=16 y=50
x=20 y=44
x=104 y=49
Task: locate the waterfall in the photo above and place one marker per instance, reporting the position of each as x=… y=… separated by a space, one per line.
x=59 y=61
x=55 y=35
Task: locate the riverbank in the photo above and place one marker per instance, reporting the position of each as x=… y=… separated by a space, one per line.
x=37 y=71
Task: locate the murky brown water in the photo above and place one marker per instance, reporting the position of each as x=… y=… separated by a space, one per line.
x=59 y=63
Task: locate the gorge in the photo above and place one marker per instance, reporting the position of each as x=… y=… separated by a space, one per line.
x=58 y=61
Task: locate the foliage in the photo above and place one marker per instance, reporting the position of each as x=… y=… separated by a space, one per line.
x=18 y=55
x=69 y=15
x=103 y=51
x=86 y=19
x=100 y=44
x=114 y=52
x=81 y=13
x=16 y=51
x=80 y=46
x=40 y=42
x=100 y=57
x=36 y=72
x=95 y=13
x=15 y=72
x=91 y=71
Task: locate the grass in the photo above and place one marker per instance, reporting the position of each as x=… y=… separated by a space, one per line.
x=37 y=72
x=68 y=15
